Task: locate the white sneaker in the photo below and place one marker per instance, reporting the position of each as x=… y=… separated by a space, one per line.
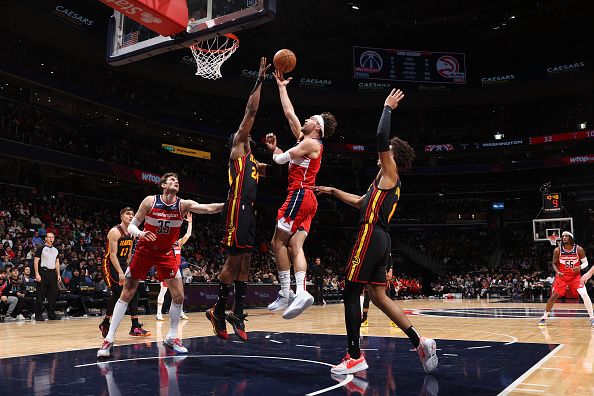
x=281 y=301
x=106 y=349
x=184 y=316
x=301 y=302
x=350 y=365
x=427 y=351
x=159 y=317
x=176 y=345
x=20 y=317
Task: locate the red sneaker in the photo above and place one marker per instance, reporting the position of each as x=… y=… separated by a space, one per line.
x=218 y=324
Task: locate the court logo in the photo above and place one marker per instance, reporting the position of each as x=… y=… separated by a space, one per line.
x=370 y=61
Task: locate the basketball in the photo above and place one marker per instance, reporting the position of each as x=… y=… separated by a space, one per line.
x=284 y=61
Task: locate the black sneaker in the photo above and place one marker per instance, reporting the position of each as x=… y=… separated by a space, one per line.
x=104 y=327
x=138 y=331
x=236 y=321
x=218 y=324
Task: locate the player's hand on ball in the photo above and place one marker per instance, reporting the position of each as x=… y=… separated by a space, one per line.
x=394 y=98
x=263 y=67
x=280 y=80
x=148 y=236
x=322 y=190
x=271 y=141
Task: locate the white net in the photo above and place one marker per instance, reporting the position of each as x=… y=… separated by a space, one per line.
x=212 y=53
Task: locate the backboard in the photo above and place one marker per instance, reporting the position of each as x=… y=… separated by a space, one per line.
x=128 y=41
x=544 y=228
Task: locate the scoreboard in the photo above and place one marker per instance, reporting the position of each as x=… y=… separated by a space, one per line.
x=409 y=66
x=551 y=202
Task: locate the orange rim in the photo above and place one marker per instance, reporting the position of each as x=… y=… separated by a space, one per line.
x=228 y=35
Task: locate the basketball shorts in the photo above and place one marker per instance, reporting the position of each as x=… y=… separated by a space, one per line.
x=567 y=281
x=240 y=227
x=110 y=275
x=145 y=258
x=367 y=263
x=297 y=212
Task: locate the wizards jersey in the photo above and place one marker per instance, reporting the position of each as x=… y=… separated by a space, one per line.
x=163 y=220
x=568 y=260
x=303 y=171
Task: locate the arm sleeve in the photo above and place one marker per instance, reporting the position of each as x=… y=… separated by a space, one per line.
x=383 y=130
x=133 y=227
x=38 y=251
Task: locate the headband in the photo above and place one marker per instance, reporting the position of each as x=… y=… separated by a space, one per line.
x=567 y=233
x=320 y=120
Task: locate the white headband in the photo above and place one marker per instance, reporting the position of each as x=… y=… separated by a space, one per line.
x=567 y=233
x=320 y=120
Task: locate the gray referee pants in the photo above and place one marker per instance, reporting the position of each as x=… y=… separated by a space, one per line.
x=12 y=302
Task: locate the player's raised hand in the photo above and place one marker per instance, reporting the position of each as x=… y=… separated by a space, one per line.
x=263 y=67
x=188 y=217
x=280 y=79
x=394 y=98
x=271 y=141
x=147 y=236
x=322 y=190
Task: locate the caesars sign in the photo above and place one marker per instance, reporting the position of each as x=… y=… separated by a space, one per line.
x=567 y=68
x=72 y=17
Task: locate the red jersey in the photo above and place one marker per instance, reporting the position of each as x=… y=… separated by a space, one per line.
x=303 y=171
x=165 y=222
x=568 y=260
x=177 y=252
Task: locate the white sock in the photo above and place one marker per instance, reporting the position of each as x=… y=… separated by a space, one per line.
x=174 y=315
x=118 y=314
x=159 y=309
x=300 y=282
x=285 y=281
x=546 y=315
x=587 y=302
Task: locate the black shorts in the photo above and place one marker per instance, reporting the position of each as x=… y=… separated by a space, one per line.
x=240 y=227
x=110 y=275
x=370 y=254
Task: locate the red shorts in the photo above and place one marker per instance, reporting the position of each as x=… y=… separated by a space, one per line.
x=144 y=258
x=561 y=284
x=297 y=212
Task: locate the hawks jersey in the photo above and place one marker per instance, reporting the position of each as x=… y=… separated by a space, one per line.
x=568 y=260
x=303 y=171
x=165 y=222
x=379 y=205
x=243 y=178
x=125 y=243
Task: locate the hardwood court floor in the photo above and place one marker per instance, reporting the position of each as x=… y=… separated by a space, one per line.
x=568 y=369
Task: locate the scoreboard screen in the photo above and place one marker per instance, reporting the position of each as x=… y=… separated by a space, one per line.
x=551 y=202
x=409 y=66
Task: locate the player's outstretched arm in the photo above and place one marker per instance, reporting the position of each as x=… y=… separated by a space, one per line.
x=389 y=168
x=306 y=148
x=182 y=241
x=145 y=207
x=187 y=205
x=287 y=105
x=584 y=264
x=348 y=198
x=242 y=135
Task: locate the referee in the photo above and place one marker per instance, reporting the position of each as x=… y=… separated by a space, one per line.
x=47 y=276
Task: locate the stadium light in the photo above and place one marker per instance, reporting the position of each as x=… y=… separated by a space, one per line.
x=498 y=136
x=583 y=125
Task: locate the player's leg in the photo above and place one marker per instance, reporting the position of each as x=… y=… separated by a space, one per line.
x=558 y=290
x=581 y=289
x=116 y=291
x=160 y=300
x=237 y=317
x=136 y=329
x=303 y=299
x=365 y=308
x=280 y=244
x=176 y=288
x=216 y=315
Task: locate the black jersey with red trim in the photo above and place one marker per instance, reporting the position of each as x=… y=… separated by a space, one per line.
x=125 y=243
x=379 y=205
x=243 y=179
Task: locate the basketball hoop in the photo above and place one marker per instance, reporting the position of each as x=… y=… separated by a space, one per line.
x=553 y=239
x=212 y=53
